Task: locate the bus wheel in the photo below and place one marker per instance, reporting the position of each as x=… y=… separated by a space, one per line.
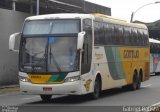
x=157 y=73
x=46 y=98
x=134 y=85
x=139 y=82
x=97 y=89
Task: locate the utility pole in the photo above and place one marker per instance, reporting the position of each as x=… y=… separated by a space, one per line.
x=133 y=13
x=37 y=11
x=14 y=5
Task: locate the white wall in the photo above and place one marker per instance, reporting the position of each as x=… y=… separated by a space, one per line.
x=10 y=22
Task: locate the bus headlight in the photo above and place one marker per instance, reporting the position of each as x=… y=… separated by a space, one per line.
x=24 y=79
x=72 y=79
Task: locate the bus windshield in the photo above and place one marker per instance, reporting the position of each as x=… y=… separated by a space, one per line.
x=52 y=54
x=52 y=48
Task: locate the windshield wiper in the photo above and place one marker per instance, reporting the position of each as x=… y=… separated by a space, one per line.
x=51 y=55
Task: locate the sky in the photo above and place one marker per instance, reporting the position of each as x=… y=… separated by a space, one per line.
x=123 y=9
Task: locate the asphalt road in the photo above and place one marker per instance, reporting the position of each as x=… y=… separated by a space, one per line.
x=112 y=100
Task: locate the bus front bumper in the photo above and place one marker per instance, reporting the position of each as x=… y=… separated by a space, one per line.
x=68 y=88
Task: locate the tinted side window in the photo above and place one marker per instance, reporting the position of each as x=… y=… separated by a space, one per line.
x=126 y=35
x=154 y=48
x=118 y=32
x=115 y=34
x=99 y=33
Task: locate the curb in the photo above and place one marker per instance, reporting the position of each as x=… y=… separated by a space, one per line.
x=9 y=89
x=9 y=86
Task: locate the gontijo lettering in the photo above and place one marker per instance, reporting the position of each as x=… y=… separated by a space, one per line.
x=131 y=54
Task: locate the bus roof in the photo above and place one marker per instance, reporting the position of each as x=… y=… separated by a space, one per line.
x=60 y=16
x=154 y=41
x=111 y=19
x=106 y=18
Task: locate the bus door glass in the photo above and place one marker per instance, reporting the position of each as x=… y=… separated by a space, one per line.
x=87 y=53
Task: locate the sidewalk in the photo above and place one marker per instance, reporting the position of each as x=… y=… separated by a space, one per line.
x=9 y=89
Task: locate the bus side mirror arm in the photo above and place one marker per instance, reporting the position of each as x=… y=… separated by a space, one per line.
x=12 y=39
x=80 y=40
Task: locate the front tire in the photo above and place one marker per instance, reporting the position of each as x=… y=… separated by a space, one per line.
x=157 y=73
x=97 y=89
x=46 y=98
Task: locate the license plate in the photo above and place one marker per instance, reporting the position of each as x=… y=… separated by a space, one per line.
x=47 y=89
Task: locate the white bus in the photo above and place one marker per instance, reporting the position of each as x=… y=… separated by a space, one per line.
x=78 y=54
x=154 y=56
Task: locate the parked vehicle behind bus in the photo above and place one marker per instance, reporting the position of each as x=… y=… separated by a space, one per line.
x=154 y=56
x=78 y=54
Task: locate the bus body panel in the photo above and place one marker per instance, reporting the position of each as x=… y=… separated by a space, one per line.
x=118 y=64
x=61 y=88
x=57 y=89
x=102 y=64
x=135 y=59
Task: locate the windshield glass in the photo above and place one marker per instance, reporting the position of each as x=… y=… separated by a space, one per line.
x=51 y=27
x=49 y=54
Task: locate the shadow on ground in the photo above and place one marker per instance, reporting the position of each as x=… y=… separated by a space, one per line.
x=65 y=100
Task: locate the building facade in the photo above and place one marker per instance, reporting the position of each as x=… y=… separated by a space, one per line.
x=12 y=15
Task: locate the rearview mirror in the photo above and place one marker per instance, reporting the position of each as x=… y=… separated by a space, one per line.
x=12 y=39
x=80 y=40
